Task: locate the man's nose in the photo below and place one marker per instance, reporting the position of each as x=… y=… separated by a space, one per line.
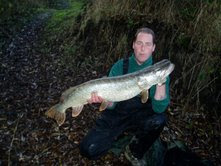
x=142 y=47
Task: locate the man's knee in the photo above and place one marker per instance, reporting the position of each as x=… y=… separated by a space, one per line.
x=88 y=150
x=94 y=145
x=156 y=122
x=161 y=120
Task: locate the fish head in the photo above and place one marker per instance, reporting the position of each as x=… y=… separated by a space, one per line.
x=155 y=74
x=163 y=69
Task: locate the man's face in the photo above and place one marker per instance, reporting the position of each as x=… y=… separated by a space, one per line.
x=143 y=47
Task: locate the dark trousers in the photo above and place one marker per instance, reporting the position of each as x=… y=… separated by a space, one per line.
x=129 y=115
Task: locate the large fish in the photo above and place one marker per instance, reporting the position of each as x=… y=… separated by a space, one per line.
x=112 y=89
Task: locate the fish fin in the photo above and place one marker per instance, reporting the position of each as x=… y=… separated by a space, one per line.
x=144 y=96
x=103 y=105
x=76 y=110
x=54 y=113
x=140 y=86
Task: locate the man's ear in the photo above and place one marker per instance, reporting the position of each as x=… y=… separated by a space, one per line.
x=133 y=45
x=154 y=46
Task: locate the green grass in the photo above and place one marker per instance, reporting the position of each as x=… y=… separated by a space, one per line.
x=58 y=34
x=63 y=20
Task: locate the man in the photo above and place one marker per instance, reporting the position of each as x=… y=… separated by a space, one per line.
x=146 y=121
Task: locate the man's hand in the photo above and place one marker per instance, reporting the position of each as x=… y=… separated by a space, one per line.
x=160 y=93
x=162 y=82
x=95 y=98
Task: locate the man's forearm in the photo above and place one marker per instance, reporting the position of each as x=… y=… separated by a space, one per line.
x=160 y=93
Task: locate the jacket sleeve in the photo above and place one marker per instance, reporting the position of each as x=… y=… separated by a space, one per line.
x=160 y=106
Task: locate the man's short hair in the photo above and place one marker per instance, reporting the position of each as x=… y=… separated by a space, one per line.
x=145 y=30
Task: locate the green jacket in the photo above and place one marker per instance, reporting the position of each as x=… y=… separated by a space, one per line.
x=157 y=105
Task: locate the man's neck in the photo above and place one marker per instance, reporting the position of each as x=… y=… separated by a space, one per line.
x=139 y=63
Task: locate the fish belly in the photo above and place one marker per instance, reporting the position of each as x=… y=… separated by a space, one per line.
x=110 y=91
x=118 y=91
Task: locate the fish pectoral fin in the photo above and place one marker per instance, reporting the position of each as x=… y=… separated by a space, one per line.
x=144 y=96
x=103 y=105
x=140 y=85
x=77 y=110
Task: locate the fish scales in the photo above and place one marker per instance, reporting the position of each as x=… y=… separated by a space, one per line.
x=124 y=87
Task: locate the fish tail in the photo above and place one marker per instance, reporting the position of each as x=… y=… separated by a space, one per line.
x=54 y=113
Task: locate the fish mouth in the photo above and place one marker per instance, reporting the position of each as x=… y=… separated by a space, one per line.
x=171 y=67
x=163 y=66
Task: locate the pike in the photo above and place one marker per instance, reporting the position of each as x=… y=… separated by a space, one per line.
x=113 y=89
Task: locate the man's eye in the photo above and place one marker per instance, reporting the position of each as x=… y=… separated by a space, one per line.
x=139 y=43
x=148 y=44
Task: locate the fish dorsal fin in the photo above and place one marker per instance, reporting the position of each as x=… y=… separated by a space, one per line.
x=66 y=93
x=77 y=110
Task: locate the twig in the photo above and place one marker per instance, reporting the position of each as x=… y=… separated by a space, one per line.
x=12 y=141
